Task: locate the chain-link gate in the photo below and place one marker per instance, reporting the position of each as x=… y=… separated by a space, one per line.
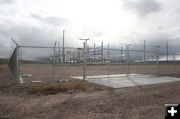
x=113 y=62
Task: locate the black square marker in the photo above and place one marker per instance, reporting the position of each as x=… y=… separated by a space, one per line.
x=172 y=111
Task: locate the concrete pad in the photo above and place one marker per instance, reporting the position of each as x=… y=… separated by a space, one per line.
x=36 y=81
x=120 y=80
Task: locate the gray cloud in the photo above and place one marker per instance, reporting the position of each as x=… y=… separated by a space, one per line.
x=158 y=39
x=41 y=30
x=143 y=7
x=26 y=35
x=6 y=2
x=7 y=7
x=32 y=36
x=29 y=35
x=98 y=33
x=51 y=20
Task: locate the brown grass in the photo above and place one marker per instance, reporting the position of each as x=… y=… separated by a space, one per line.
x=55 y=88
x=3 y=61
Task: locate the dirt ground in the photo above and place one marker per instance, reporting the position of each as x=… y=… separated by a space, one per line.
x=46 y=72
x=82 y=101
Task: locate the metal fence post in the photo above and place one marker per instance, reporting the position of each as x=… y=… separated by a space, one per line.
x=13 y=61
x=109 y=62
x=102 y=56
x=144 y=56
x=127 y=59
x=108 y=58
x=174 y=64
x=54 y=61
x=17 y=60
x=63 y=48
x=84 y=61
x=85 y=55
x=157 y=61
x=127 y=62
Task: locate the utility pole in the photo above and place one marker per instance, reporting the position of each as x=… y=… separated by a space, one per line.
x=167 y=50
x=63 y=48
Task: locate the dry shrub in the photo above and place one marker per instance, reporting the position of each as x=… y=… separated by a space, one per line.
x=64 y=87
x=1 y=66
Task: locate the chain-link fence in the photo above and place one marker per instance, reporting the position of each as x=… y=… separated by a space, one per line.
x=114 y=62
x=50 y=63
x=57 y=63
x=13 y=62
x=130 y=60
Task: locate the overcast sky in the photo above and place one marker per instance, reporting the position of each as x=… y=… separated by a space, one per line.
x=41 y=22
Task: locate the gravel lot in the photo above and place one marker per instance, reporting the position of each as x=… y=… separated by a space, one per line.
x=29 y=101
